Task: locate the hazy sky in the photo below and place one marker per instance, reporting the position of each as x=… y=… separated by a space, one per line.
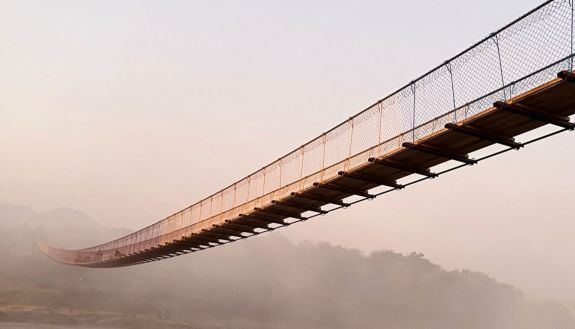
x=131 y=110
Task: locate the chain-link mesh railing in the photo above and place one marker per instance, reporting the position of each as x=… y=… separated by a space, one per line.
x=516 y=58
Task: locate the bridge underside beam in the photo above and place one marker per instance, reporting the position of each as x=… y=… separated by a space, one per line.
x=343 y=189
x=263 y=219
x=536 y=114
x=298 y=206
x=440 y=152
x=244 y=227
x=279 y=212
x=320 y=198
x=229 y=232
x=370 y=178
x=200 y=239
x=403 y=166
x=566 y=76
x=484 y=134
x=214 y=235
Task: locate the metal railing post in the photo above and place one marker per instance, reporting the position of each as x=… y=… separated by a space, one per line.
x=249 y=187
x=264 y=184
x=380 y=110
x=412 y=86
x=211 y=204
x=346 y=165
x=301 y=163
x=496 y=40
x=280 y=164
x=201 y=211
x=572 y=3
x=450 y=70
x=323 y=157
x=221 y=202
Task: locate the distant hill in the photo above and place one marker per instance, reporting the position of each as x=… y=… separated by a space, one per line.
x=264 y=282
x=63 y=227
x=15 y=216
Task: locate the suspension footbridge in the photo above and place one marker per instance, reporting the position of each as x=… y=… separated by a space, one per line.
x=514 y=81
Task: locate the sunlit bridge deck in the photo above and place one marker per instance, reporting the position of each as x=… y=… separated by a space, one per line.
x=516 y=80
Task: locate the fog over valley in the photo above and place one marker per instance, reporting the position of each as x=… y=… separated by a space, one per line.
x=262 y=282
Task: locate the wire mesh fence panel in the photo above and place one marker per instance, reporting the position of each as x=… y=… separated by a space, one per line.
x=476 y=73
x=272 y=178
x=215 y=204
x=540 y=77
x=434 y=96
x=397 y=115
x=291 y=167
x=228 y=198
x=537 y=40
x=205 y=209
x=196 y=209
x=242 y=191
x=337 y=144
x=186 y=217
x=256 y=185
x=313 y=157
x=365 y=134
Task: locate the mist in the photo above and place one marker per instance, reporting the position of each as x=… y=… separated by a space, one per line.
x=263 y=282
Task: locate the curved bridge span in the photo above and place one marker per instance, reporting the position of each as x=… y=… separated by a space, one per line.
x=516 y=80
